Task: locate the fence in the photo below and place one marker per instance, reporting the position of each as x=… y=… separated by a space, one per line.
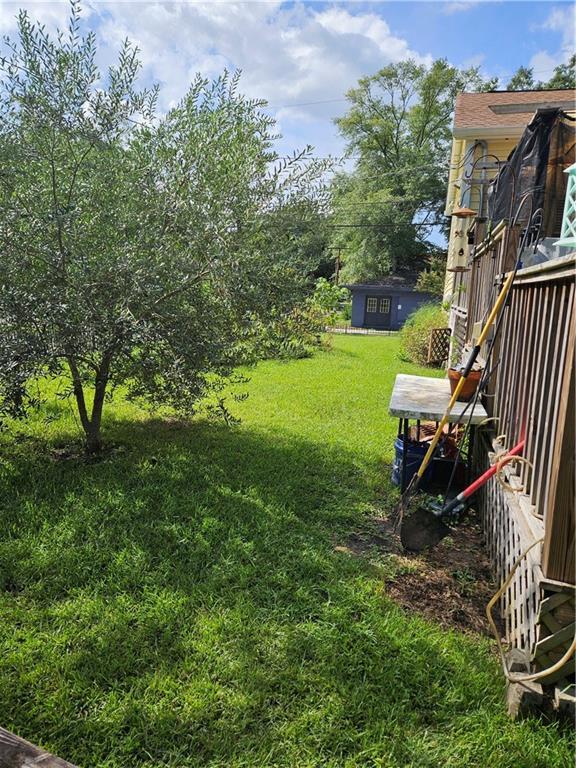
x=531 y=395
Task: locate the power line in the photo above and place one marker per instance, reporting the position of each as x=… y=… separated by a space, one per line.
x=340 y=99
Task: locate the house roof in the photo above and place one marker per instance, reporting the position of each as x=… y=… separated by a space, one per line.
x=505 y=112
x=393 y=283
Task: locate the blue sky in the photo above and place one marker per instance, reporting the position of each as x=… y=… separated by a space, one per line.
x=302 y=57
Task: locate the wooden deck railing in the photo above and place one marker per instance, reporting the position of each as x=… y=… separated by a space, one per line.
x=532 y=396
x=530 y=393
x=533 y=393
x=490 y=261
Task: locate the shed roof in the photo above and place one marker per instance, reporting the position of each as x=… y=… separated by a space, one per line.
x=500 y=112
x=393 y=283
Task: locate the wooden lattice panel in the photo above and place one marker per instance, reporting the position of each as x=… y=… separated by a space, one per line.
x=509 y=532
x=556 y=629
x=438 y=346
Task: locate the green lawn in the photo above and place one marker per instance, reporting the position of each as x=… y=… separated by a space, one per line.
x=181 y=603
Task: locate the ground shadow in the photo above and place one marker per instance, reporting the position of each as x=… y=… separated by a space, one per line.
x=183 y=605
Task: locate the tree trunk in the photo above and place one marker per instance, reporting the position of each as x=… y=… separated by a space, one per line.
x=91 y=424
x=93 y=442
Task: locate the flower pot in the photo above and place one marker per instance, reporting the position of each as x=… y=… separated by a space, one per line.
x=470 y=385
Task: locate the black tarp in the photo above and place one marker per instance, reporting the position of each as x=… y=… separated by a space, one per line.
x=535 y=168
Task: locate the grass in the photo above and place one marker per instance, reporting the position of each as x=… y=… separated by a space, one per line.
x=181 y=603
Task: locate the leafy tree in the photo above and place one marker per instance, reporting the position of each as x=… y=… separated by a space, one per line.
x=564 y=76
x=399 y=126
x=136 y=250
x=522 y=80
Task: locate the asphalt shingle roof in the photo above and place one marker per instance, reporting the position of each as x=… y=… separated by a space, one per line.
x=506 y=109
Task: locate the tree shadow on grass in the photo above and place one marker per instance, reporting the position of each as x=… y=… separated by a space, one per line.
x=181 y=604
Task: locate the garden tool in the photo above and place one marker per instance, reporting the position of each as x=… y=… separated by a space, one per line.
x=424 y=528
x=404 y=504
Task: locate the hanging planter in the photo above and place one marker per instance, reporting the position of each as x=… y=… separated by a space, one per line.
x=470 y=385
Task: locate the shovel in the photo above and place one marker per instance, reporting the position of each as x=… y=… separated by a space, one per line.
x=424 y=528
x=404 y=504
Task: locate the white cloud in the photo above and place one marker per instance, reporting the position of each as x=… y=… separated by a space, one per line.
x=294 y=54
x=458 y=7
x=561 y=20
x=52 y=15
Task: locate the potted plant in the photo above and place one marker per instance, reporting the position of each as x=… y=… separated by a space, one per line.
x=470 y=385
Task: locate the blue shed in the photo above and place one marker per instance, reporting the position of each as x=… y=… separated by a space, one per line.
x=385 y=305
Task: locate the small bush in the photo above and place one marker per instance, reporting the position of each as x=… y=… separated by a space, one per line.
x=415 y=334
x=290 y=335
x=346 y=311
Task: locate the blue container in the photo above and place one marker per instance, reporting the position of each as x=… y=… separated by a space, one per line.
x=416 y=453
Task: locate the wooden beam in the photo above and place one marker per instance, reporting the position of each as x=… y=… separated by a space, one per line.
x=19 y=753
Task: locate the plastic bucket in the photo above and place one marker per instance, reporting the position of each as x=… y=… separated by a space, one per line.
x=416 y=453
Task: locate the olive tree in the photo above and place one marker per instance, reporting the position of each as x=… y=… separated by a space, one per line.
x=136 y=249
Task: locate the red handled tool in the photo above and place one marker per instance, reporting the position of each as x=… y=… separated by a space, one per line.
x=425 y=528
x=479 y=482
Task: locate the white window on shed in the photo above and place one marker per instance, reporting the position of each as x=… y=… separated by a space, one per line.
x=371 y=304
x=384 y=306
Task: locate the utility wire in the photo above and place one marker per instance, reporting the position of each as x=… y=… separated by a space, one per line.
x=343 y=98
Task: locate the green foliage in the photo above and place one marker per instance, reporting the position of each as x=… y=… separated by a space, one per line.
x=327 y=299
x=328 y=296
x=289 y=335
x=399 y=123
x=180 y=603
x=295 y=334
x=415 y=334
x=372 y=229
x=138 y=249
x=522 y=80
x=564 y=76
x=347 y=310
x=432 y=279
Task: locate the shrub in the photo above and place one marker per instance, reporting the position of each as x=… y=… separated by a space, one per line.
x=327 y=299
x=415 y=335
x=431 y=280
x=289 y=335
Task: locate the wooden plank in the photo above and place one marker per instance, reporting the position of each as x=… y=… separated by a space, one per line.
x=563 y=674
x=556 y=269
x=554 y=392
x=552 y=642
x=19 y=753
x=528 y=352
x=421 y=397
x=544 y=380
x=532 y=437
x=548 y=620
x=530 y=377
x=518 y=368
x=559 y=550
x=552 y=602
x=540 y=300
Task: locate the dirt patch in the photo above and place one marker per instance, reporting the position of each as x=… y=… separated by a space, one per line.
x=379 y=536
x=449 y=584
